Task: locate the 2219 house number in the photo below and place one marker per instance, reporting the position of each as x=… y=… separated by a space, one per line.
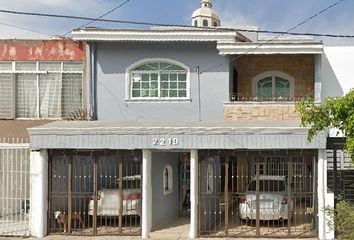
x=165 y=141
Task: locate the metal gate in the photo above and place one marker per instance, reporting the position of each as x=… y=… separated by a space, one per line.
x=94 y=192
x=258 y=195
x=14 y=188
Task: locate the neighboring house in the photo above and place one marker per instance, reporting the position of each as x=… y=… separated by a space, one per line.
x=338 y=81
x=193 y=115
x=40 y=81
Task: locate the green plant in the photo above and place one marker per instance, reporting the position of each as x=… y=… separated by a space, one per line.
x=333 y=113
x=341 y=219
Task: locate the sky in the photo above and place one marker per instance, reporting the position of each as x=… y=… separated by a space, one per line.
x=277 y=15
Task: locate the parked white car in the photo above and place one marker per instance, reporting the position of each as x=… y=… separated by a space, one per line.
x=108 y=203
x=273 y=200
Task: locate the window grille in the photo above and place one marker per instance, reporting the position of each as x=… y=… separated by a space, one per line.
x=26 y=102
x=26 y=66
x=50 y=66
x=40 y=89
x=72 y=67
x=71 y=95
x=5 y=66
x=159 y=80
x=49 y=85
x=6 y=96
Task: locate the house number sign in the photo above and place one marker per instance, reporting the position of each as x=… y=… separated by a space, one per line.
x=165 y=141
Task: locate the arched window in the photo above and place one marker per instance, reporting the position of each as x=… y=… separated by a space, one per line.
x=167 y=179
x=215 y=24
x=273 y=86
x=195 y=23
x=158 y=79
x=205 y=23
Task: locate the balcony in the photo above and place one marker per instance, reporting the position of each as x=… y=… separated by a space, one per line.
x=248 y=107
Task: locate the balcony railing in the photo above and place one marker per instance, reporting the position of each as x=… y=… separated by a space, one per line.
x=247 y=97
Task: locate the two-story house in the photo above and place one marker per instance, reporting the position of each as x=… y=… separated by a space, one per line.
x=190 y=126
x=40 y=81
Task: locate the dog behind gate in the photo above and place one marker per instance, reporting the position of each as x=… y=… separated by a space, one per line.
x=63 y=218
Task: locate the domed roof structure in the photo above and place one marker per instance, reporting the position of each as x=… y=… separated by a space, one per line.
x=205 y=16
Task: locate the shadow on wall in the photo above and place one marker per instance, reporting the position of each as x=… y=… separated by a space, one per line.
x=331 y=86
x=115 y=58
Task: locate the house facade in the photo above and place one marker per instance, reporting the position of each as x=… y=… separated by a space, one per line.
x=197 y=124
x=41 y=81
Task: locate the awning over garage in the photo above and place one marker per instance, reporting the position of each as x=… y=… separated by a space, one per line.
x=170 y=135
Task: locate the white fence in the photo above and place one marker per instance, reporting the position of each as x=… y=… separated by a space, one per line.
x=14 y=187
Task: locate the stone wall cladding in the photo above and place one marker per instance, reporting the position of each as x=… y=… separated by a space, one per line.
x=260 y=112
x=300 y=67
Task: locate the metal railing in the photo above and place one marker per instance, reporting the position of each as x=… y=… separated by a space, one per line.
x=14 y=187
x=249 y=97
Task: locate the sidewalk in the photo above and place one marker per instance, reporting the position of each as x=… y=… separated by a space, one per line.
x=59 y=237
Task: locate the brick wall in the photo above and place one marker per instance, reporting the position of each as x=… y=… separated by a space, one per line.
x=241 y=111
x=300 y=67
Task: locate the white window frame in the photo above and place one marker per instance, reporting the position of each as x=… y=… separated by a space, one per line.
x=273 y=75
x=169 y=188
x=38 y=72
x=129 y=86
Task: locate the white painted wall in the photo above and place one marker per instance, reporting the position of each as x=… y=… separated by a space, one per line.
x=39 y=192
x=337 y=70
x=337 y=74
x=325 y=199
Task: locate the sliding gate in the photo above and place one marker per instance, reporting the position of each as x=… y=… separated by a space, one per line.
x=258 y=196
x=94 y=192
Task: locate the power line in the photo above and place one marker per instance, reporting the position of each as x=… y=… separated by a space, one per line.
x=105 y=14
x=26 y=29
x=279 y=35
x=88 y=10
x=171 y=25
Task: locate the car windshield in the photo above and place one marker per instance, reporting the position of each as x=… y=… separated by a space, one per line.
x=267 y=185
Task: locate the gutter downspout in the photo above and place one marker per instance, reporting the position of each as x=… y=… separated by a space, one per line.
x=93 y=83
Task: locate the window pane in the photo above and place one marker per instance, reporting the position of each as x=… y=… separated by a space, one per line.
x=182 y=85
x=26 y=66
x=6 y=96
x=71 y=95
x=136 y=85
x=145 y=93
x=154 y=77
x=26 y=98
x=164 y=93
x=154 y=93
x=154 y=84
x=164 y=85
x=173 y=93
x=145 y=77
x=282 y=88
x=136 y=93
x=264 y=88
x=72 y=67
x=173 y=67
x=164 y=77
x=147 y=67
x=173 y=85
x=182 y=77
x=49 y=86
x=50 y=66
x=173 y=77
x=182 y=93
x=5 y=66
x=145 y=85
